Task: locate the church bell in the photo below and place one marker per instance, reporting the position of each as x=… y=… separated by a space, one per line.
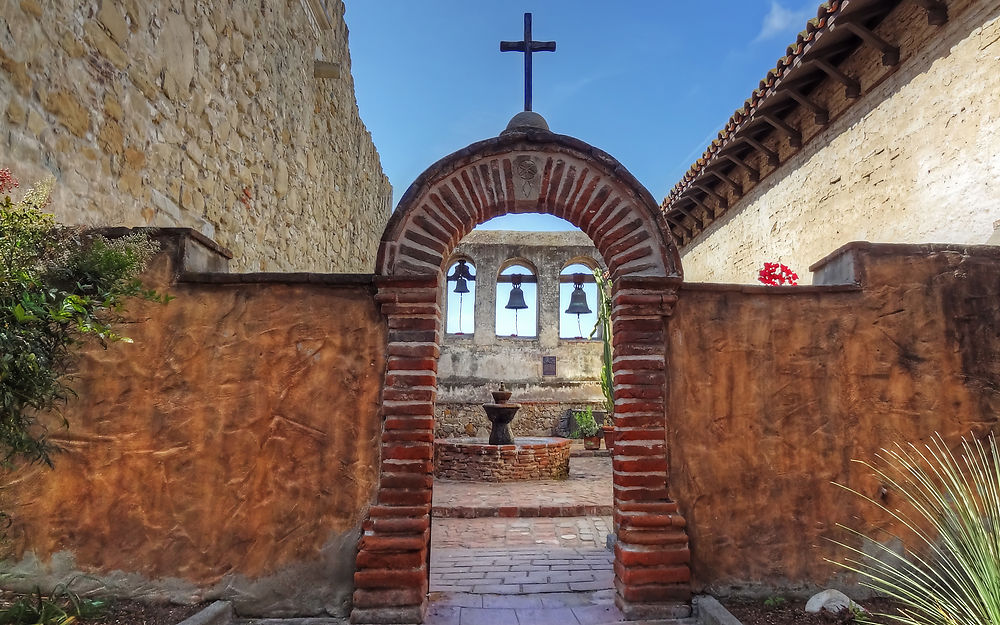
x=461 y=276
x=516 y=301
x=578 y=299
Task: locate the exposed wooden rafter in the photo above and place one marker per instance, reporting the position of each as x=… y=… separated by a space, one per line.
x=820 y=114
x=794 y=136
x=769 y=154
x=752 y=173
x=721 y=201
x=852 y=88
x=890 y=53
x=937 y=11
x=729 y=181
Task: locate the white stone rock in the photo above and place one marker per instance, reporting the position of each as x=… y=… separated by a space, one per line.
x=832 y=601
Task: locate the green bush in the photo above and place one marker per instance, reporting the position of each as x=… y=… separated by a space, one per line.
x=586 y=425
x=951 y=508
x=58 y=287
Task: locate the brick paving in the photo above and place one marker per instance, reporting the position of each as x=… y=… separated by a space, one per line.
x=586 y=492
x=524 y=553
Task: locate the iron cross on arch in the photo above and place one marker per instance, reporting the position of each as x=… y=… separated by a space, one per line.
x=527 y=46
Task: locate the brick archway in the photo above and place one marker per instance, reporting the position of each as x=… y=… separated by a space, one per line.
x=527 y=170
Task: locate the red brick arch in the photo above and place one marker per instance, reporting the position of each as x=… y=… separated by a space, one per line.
x=519 y=172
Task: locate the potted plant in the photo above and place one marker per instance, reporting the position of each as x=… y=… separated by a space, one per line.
x=587 y=428
x=603 y=325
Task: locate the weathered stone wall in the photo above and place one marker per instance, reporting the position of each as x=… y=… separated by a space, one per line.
x=913 y=160
x=534 y=418
x=230 y=452
x=185 y=113
x=773 y=391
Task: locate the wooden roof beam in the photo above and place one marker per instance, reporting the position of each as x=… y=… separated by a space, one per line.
x=794 y=136
x=724 y=178
x=937 y=11
x=890 y=53
x=771 y=155
x=852 y=88
x=697 y=222
x=820 y=114
x=708 y=211
x=707 y=190
x=679 y=224
x=751 y=172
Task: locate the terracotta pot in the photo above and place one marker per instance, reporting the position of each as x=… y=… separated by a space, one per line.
x=609 y=437
x=591 y=442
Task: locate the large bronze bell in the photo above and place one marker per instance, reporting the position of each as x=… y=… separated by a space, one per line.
x=578 y=299
x=461 y=275
x=516 y=301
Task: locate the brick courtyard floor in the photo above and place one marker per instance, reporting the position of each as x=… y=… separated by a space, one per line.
x=587 y=492
x=524 y=553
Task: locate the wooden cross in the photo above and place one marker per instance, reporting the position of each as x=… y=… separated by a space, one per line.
x=527 y=47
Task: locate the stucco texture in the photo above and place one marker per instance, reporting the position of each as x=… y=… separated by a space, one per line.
x=230 y=452
x=912 y=161
x=772 y=393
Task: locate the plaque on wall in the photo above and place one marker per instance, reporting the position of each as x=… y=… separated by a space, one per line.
x=548 y=365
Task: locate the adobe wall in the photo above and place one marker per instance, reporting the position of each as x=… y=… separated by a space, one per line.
x=774 y=390
x=179 y=113
x=912 y=161
x=231 y=452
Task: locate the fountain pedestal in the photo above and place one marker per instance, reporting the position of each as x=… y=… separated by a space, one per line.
x=504 y=458
x=500 y=414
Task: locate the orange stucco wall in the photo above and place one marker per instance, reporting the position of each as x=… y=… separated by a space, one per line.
x=235 y=441
x=774 y=391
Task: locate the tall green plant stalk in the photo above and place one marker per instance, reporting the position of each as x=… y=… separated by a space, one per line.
x=603 y=325
x=951 y=575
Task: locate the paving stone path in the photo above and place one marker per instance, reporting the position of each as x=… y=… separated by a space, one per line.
x=524 y=553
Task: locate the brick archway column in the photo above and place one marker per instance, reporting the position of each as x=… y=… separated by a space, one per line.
x=391 y=576
x=652 y=572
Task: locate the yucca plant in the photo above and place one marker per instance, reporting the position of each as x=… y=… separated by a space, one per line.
x=950 y=575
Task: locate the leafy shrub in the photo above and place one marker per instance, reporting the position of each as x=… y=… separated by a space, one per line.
x=951 y=576
x=585 y=423
x=61 y=607
x=58 y=286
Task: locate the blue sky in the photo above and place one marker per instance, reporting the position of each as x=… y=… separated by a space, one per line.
x=649 y=81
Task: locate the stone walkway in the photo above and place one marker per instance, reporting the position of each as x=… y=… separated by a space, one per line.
x=524 y=553
x=587 y=492
x=596 y=608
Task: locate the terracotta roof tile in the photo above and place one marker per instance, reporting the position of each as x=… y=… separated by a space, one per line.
x=813 y=26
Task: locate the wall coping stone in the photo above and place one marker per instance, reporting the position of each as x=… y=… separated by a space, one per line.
x=327 y=279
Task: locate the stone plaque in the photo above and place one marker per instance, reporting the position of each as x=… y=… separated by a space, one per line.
x=548 y=365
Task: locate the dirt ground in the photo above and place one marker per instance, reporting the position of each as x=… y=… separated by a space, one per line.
x=792 y=612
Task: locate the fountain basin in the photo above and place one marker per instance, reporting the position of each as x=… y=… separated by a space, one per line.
x=475 y=460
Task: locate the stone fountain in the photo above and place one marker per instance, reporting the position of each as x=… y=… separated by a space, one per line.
x=500 y=414
x=504 y=458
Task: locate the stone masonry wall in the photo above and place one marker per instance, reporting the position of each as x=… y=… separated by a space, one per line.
x=198 y=114
x=535 y=418
x=773 y=392
x=912 y=161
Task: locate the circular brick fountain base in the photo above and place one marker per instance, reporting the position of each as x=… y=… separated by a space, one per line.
x=475 y=460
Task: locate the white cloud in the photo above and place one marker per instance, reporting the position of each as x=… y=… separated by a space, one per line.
x=780 y=20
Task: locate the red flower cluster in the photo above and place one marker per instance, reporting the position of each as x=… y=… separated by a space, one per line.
x=775 y=274
x=7 y=181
